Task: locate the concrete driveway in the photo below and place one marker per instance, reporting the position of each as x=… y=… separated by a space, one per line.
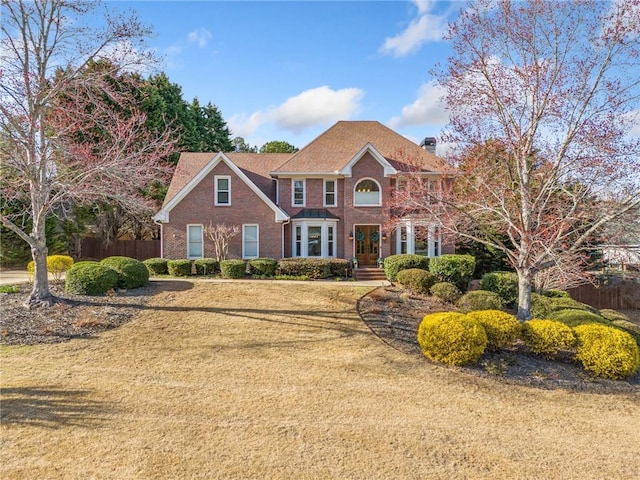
x=13 y=277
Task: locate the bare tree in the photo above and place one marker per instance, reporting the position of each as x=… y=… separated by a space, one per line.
x=70 y=134
x=221 y=234
x=543 y=97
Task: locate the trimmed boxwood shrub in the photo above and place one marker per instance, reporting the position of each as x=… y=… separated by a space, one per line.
x=613 y=315
x=540 y=305
x=179 y=268
x=417 y=280
x=573 y=318
x=547 y=337
x=452 y=338
x=206 y=266
x=156 y=266
x=263 y=266
x=502 y=328
x=445 y=291
x=555 y=293
x=339 y=267
x=453 y=268
x=403 y=261
x=479 y=300
x=233 y=268
x=132 y=273
x=504 y=284
x=304 y=266
x=606 y=351
x=90 y=278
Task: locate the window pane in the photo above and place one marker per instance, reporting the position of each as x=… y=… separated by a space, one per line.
x=421 y=241
x=223 y=197
x=315 y=241
x=298 y=251
x=298 y=192
x=330 y=241
x=223 y=184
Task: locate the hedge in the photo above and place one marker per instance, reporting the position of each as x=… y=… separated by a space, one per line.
x=156 y=266
x=456 y=269
x=233 y=268
x=206 y=266
x=179 y=268
x=479 y=300
x=90 y=278
x=403 y=261
x=313 y=267
x=264 y=267
x=417 y=280
x=606 y=351
x=132 y=273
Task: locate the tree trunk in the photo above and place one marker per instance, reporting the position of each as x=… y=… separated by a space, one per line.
x=40 y=294
x=525 y=283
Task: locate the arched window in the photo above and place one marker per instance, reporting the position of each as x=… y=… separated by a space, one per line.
x=367 y=193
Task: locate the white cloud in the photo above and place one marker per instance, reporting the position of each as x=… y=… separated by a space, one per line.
x=316 y=106
x=427 y=109
x=427 y=27
x=201 y=37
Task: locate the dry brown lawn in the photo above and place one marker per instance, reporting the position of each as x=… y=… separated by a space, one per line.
x=271 y=380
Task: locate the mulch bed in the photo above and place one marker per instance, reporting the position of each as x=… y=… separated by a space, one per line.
x=72 y=316
x=394 y=316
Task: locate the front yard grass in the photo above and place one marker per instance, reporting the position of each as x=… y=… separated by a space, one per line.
x=278 y=380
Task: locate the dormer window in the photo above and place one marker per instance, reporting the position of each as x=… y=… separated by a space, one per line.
x=367 y=193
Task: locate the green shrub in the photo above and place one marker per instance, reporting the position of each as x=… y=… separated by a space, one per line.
x=504 y=284
x=606 y=351
x=57 y=265
x=565 y=303
x=156 y=266
x=338 y=267
x=502 y=328
x=417 y=280
x=312 y=267
x=479 y=300
x=540 y=305
x=452 y=338
x=90 y=278
x=263 y=266
x=555 y=293
x=9 y=289
x=403 y=261
x=456 y=269
x=179 y=268
x=206 y=266
x=233 y=268
x=132 y=273
x=573 y=318
x=446 y=292
x=613 y=315
x=547 y=337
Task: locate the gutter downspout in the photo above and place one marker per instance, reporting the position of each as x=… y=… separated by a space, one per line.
x=283 y=244
x=161 y=237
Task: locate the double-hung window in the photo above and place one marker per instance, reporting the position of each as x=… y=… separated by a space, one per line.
x=222 y=190
x=330 y=194
x=298 y=194
x=195 y=241
x=250 y=242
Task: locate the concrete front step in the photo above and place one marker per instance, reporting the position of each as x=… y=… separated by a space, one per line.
x=369 y=274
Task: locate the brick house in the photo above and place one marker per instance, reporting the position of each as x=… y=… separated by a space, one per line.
x=329 y=199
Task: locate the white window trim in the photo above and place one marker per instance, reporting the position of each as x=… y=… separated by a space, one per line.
x=215 y=190
x=191 y=257
x=411 y=238
x=244 y=225
x=335 y=192
x=293 y=192
x=379 y=204
x=304 y=247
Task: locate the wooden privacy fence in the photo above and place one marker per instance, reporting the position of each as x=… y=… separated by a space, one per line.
x=139 y=249
x=621 y=296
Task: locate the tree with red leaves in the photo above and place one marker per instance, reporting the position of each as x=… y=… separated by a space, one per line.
x=70 y=134
x=543 y=98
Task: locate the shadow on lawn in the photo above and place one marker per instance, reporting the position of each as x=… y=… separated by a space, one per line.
x=51 y=407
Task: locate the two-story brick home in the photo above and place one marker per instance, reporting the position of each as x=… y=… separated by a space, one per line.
x=329 y=199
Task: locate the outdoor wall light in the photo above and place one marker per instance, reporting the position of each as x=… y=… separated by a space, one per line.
x=384 y=237
x=350 y=235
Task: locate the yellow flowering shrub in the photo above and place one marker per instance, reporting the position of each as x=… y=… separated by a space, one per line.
x=547 y=337
x=502 y=328
x=606 y=351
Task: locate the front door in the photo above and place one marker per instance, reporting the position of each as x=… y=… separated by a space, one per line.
x=367 y=238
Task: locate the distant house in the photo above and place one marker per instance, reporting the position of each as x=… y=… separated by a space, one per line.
x=329 y=199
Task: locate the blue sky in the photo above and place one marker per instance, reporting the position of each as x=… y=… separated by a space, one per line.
x=288 y=70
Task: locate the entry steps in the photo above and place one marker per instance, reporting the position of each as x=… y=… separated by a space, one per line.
x=369 y=273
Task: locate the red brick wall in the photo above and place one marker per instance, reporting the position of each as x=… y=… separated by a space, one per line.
x=198 y=208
